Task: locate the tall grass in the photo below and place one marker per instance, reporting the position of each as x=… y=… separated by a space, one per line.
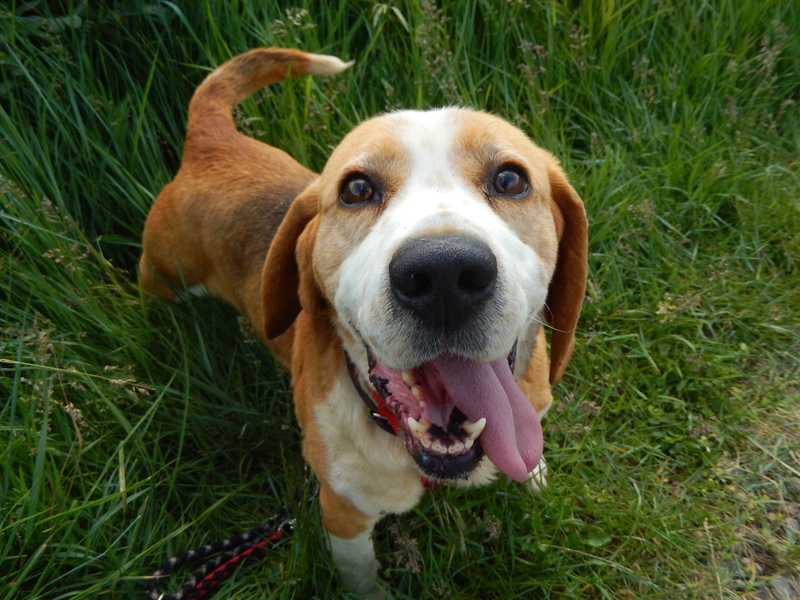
x=132 y=431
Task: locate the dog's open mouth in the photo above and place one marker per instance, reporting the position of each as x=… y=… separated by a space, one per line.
x=452 y=410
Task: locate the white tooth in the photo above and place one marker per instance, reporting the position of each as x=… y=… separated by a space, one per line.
x=468 y=443
x=408 y=379
x=474 y=429
x=439 y=447
x=416 y=391
x=417 y=428
x=425 y=441
x=456 y=448
x=422 y=404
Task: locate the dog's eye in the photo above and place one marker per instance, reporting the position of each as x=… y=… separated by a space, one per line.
x=357 y=190
x=509 y=182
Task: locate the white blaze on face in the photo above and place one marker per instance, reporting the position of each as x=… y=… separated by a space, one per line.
x=436 y=198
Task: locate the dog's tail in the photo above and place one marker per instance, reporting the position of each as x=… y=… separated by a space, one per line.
x=211 y=108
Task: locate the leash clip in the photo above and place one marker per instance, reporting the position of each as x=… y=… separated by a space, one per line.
x=281 y=521
x=287 y=525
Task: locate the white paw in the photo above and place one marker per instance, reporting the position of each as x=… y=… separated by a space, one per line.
x=198 y=290
x=356 y=563
x=537 y=479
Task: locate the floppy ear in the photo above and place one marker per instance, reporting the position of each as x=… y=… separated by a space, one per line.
x=565 y=295
x=287 y=282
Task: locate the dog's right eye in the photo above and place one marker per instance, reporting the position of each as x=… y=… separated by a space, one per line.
x=357 y=190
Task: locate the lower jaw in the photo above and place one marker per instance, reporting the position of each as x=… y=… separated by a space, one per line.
x=446 y=467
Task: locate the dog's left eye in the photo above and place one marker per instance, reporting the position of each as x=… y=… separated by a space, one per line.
x=509 y=182
x=357 y=190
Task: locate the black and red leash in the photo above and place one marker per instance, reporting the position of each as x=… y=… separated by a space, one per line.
x=230 y=555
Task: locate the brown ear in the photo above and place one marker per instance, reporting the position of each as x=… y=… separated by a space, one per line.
x=286 y=272
x=565 y=295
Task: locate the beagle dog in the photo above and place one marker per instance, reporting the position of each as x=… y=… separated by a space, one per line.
x=405 y=288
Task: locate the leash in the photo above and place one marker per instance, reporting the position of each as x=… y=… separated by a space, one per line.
x=210 y=574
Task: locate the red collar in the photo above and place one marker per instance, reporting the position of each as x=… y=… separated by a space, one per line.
x=379 y=413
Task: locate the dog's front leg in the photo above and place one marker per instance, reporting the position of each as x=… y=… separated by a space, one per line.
x=350 y=535
x=356 y=563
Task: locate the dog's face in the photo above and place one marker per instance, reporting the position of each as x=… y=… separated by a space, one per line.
x=434 y=237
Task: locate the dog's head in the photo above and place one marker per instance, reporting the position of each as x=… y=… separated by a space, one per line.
x=439 y=240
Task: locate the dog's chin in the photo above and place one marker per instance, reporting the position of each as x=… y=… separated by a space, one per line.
x=443 y=454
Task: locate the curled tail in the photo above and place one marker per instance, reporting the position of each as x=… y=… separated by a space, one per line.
x=212 y=105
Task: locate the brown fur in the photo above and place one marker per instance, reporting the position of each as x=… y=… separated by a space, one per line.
x=244 y=219
x=213 y=224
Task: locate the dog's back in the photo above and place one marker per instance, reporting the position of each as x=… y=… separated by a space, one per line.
x=227 y=183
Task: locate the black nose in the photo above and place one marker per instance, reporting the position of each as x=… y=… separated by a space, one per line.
x=443 y=279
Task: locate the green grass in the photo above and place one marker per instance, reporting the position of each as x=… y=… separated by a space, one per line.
x=131 y=432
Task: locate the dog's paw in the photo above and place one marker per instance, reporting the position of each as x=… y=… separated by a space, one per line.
x=357 y=566
x=366 y=584
x=377 y=592
x=537 y=479
x=182 y=296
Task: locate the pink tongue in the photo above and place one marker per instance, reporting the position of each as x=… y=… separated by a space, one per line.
x=512 y=438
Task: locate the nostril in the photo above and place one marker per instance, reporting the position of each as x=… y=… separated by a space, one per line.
x=474 y=281
x=412 y=285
